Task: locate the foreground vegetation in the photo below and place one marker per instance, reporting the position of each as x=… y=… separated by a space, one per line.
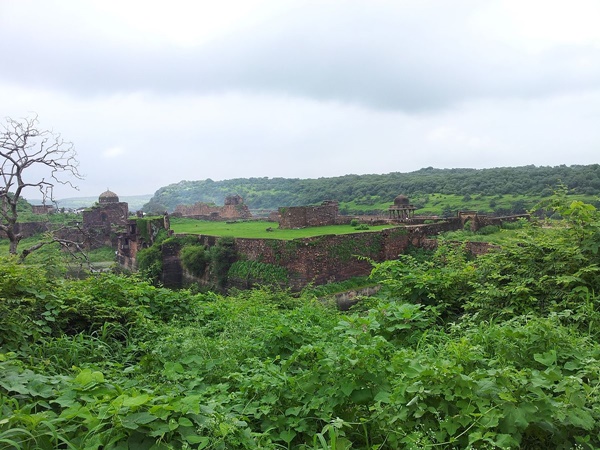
x=498 y=352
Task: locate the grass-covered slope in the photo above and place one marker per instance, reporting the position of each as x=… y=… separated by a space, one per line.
x=372 y=192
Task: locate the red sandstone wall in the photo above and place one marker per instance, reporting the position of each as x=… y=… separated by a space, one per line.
x=206 y=211
x=105 y=215
x=327 y=258
x=308 y=216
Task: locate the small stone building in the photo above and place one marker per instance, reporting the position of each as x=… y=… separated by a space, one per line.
x=107 y=217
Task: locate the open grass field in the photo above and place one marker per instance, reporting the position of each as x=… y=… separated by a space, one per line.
x=437 y=204
x=258 y=229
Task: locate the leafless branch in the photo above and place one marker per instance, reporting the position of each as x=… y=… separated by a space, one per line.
x=23 y=146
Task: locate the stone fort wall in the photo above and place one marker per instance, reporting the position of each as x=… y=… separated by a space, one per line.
x=320 y=259
x=309 y=216
x=327 y=258
x=205 y=211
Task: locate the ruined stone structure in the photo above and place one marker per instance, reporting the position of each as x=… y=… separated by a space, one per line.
x=104 y=220
x=401 y=209
x=320 y=259
x=139 y=234
x=309 y=216
x=42 y=209
x=317 y=260
x=233 y=209
x=107 y=214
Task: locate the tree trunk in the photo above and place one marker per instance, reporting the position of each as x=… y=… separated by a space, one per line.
x=13 y=246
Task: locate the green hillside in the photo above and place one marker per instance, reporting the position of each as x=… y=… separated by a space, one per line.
x=488 y=188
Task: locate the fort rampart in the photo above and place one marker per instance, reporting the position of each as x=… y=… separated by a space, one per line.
x=309 y=216
x=320 y=259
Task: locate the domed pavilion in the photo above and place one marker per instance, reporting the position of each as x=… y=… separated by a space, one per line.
x=401 y=209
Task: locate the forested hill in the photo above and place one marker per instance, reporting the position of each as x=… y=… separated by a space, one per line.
x=271 y=193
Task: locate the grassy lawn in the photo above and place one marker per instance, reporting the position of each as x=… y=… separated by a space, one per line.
x=258 y=229
x=45 y=254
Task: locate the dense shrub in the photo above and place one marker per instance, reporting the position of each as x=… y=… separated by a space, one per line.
x=222 y=256
x=488 y=229
x=453 y=353
x=195 y=259
x=149 y=261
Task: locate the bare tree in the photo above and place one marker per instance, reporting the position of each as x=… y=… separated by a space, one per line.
x=31 y=158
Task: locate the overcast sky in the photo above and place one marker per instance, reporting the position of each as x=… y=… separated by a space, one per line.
x=155 y=92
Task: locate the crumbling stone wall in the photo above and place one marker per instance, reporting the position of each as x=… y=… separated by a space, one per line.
x=490 y=220
x=323 y=259
x=233 y=209
x=28 y=229
x=42 y=209
x=140 y=233
x=106 y=216
x=479 y=221
x=309 y=216
x=172 y=273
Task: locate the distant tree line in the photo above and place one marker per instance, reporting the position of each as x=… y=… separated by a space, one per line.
x=271 y=193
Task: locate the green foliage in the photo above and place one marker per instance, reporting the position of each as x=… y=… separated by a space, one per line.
x=354 y=283
x=442 y=281
x=101 y=254
x=488 y=229
x=516 y=225
x=149 y=261
x=222 y=256
x=498 y=352
x=360 y=193
x=195 y=259
x=256 y=272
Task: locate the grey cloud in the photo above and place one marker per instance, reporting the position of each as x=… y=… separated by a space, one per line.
x=383 y=57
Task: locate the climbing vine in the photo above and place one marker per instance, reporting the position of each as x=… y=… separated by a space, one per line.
x=258 y=272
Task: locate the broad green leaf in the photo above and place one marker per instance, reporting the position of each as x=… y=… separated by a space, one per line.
x=548 y=358
x=287 y=436
x=138 y=400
